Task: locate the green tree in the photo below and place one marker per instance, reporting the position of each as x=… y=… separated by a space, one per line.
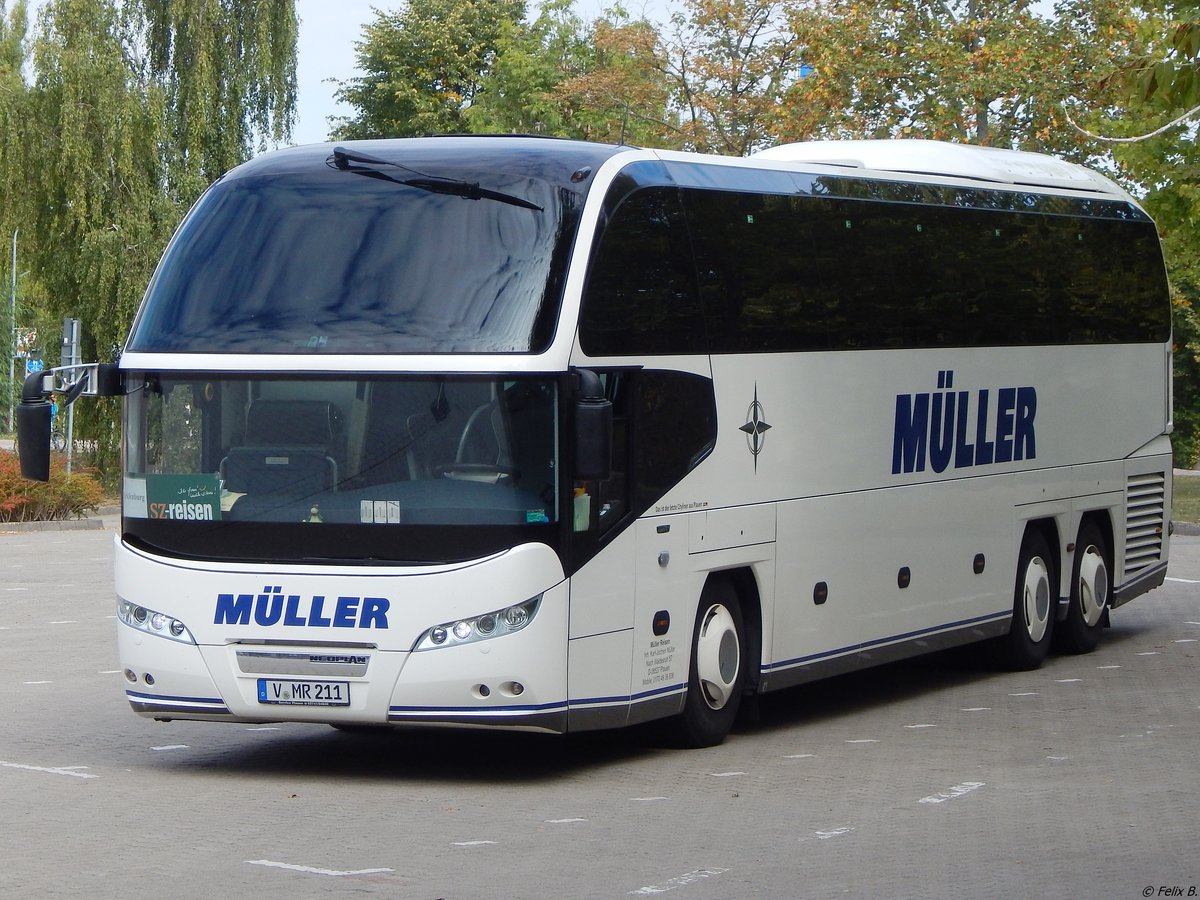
x=424 y=66
x=1170 y=72
x=227 y=70
x=134 y=108
x=13 y=91
x=13 y=95
x=1155 y=153
x=621 y=92
x=559 y=76
x=517 y=94
x=730 y=63
x=980 y=71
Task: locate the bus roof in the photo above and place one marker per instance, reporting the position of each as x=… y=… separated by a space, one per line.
x=939 y=158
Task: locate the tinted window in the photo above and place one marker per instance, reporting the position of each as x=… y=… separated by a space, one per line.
x=675 y=427
x=883 y=266
x=329 y=261
x=641 y=293
x=804 y=273
x=664 y=424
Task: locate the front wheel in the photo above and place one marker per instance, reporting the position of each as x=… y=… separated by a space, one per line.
x=1028 y=639
x=717 y=675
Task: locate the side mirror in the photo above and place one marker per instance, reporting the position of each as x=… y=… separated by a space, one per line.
x=593 y=429
x=33 y=428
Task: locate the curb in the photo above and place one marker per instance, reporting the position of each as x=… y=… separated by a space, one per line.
x=93 y=522
x=57 y=525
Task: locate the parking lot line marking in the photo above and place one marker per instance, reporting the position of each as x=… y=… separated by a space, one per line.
x=563 y=821
x=1025 y=694
x=1183 y=581
x=833 y=832
x=680 y=881
x=725 y=774
x=922 y=725
x=38 y=682
x=52 y=770
x=66 y=622
x=976 y=709
x=1110 y=667
x=470 y=843
x=647 y=799
x=312 y=870
x=171 y=747
x=801 y=756
x=863 y=741
x=1068 y=680
x=1149 y=653
x=1184 y=641
x=957 y=791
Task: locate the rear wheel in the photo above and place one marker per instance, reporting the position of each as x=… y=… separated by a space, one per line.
x=1080 y=631
x=717 y=675
x=1028 y=639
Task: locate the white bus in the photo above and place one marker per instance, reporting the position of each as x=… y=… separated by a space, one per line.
x=538 y=434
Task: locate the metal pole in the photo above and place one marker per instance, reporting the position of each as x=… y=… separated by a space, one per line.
x=12 y=334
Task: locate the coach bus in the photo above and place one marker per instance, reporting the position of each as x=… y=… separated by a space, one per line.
x=539 y=434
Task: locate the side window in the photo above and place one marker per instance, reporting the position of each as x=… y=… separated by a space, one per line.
x=772 y=270
x=664 y=424
x=675 y=427
x=640 y=296
x=794 y=273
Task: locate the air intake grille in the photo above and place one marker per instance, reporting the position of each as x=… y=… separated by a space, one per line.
x=1145 y=519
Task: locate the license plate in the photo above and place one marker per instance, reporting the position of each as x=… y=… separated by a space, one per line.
x=304 y=693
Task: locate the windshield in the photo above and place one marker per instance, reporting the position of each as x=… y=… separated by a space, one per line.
x=405 y=470
x=424 y=252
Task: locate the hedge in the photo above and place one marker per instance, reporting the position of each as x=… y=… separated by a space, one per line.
x=35 y=501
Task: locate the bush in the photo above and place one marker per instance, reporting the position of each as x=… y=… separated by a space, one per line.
x=36 y=501
x=1186 y=333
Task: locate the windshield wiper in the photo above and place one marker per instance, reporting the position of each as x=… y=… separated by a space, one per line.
x=436 y=184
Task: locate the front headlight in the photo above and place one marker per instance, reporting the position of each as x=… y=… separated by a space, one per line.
x=153 y=622
x=480 y=628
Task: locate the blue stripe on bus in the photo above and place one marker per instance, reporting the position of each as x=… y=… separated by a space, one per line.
x=630 y=698
x=542 y=707
x=161 y=698
x=425 y=710
x=866 y=645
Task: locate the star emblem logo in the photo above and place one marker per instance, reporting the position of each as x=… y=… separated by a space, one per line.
x=756 y=428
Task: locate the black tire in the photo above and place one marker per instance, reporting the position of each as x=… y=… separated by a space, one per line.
x=717 y=673
x=1080 y=631
x=1035 y=598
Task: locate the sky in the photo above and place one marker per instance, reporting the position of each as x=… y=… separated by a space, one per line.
x=324 y=50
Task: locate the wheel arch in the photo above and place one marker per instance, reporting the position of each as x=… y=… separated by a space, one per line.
x=745 y=586
x=1048 y=528
x=1102 y=519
